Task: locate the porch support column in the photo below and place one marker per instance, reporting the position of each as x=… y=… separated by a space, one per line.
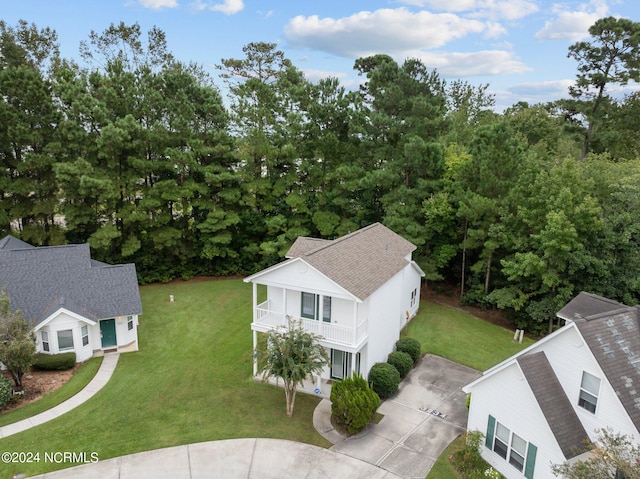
x=255 y=360
x=284 y=304
x=355 y=322
x=255 y=301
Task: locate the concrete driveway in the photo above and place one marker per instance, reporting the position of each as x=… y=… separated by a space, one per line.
x=426 y=414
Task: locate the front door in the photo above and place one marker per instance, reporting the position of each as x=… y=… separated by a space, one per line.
x=108 y=333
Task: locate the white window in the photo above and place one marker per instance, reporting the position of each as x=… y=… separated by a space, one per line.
x=511 y=447
x=414 y=296
x=45 y=340
x=129 y=323
x=85 y=335
x=589 y=390
x=65 y=339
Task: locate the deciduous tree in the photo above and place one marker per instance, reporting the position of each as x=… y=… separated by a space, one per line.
x=17 y=344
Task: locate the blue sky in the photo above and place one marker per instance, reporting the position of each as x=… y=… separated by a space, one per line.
x=518 y=47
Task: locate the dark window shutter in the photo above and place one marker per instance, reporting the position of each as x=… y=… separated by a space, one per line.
x=491 y=427
x=531 y=461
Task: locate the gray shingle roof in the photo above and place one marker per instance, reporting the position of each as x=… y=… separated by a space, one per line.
x=556 y=407
x=614 y=340
x=41 y=280
x=587 y=304
x=361 y=261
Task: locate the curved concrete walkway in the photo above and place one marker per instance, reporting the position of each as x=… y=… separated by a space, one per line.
x=99 y=380
x=232 y=458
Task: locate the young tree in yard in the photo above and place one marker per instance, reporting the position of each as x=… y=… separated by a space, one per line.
x=291 y=355
x=614 y=456
x=17 y=345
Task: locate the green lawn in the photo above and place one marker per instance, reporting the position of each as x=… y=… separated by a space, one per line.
x=190 y=382
x=461 y=337
x=83 y=375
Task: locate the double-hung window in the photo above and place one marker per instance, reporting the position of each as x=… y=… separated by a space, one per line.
x=414 y=296
x=85 y=335
x=511 y=447
x=129 y=323
x=589 y=390
x=310 y=307
x=45 y=340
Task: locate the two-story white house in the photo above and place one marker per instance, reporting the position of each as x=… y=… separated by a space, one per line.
x=356 y=292
x=546 y=404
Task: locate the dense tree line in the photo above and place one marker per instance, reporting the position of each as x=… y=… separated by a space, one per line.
x=137 y=154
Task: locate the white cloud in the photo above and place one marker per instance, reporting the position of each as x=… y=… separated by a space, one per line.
x=463 y=64
x=228 y=7
x=573 y=25
x=158 y=4
x=314 y=75
x=496 y=9
x=381 y=31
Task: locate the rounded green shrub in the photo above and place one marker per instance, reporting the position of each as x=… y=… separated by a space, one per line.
x=6 y=391
x=401 y=361
x=353 y=403
x=411 y=346
x=384 y=379
x=54 y=362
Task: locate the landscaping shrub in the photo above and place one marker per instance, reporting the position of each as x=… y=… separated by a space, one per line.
x=6 y=391
x=384 y=379
x=54 y=362
x=401 y=361
x=469 y=463
x=411 y=346
x=353 y=403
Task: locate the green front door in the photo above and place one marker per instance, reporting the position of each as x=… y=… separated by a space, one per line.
x=108 y=333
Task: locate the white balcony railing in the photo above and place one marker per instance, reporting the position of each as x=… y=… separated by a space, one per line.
x=331 y=332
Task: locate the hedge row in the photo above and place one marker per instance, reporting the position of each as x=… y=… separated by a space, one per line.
x=54 y=362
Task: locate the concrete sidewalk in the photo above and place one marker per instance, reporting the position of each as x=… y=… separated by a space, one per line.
x=99 y=380
x=233 y=458
x=426 y=414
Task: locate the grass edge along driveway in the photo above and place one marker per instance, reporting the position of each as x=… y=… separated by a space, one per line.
x=190 y=382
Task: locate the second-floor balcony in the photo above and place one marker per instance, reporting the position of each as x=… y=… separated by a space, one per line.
x=266 y=319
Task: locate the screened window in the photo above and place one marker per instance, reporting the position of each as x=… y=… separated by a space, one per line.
x=501 y=443
x=129 y=323
x=65 y=339
x=85 y=335
x=589 y=390
x=45 y=340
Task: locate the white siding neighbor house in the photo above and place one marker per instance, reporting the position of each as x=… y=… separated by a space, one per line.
x=74 y=303
x=357 y=292
x=546 y=404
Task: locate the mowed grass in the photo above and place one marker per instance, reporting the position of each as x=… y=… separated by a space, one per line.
x=462 y=337
x=190 y=382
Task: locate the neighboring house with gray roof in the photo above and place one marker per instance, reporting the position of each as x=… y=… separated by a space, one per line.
x=74 y=303
x=545 y=405
x=357 y=292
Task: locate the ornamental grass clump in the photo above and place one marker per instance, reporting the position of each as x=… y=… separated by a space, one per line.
x=353 y=403
x=384 y=379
